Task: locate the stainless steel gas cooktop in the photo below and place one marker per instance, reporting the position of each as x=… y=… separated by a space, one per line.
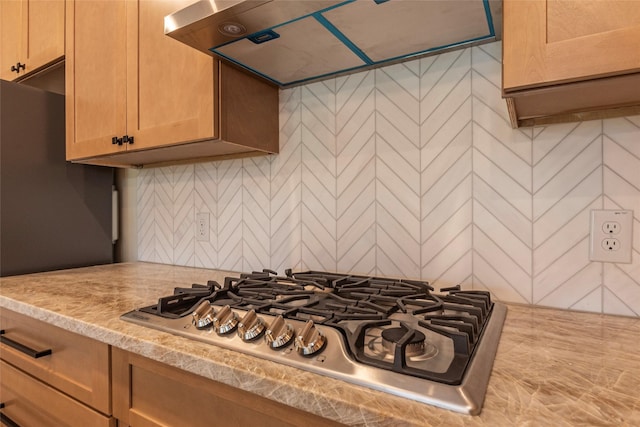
x=397 y=336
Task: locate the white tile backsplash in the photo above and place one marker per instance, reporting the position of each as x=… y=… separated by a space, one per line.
x=413 y=170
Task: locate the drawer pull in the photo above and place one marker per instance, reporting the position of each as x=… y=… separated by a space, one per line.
x=6 y=421
x=23 y=348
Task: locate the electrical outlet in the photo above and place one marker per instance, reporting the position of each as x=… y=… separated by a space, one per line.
x=611 y=227
x=611 y=236
x=202 y=227
x=611 y=245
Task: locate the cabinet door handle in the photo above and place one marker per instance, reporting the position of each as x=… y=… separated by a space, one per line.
x=4 y=420
x=115 y=140
x=23 y=348
x=17 y=67
x=127 y=139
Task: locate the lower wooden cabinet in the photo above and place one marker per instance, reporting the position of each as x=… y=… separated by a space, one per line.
x=147 y=393
x=29 y=402
x=52 y=377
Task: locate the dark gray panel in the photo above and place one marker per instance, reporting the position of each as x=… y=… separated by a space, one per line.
x=53 y=214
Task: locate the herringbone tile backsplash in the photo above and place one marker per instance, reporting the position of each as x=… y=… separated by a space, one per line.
x=413 y=170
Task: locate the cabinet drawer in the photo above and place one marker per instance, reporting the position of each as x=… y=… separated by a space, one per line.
x=28 y=402
x=78 y=366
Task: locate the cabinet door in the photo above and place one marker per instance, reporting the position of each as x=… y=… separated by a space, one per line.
x=170 y=86
x=150 y=394
x=44 y=33
x=32 y=33
x=95 y=76
x=553 y=41
x=10 y=37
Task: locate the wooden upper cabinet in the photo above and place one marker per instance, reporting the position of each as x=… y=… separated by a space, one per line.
x=95 y=77
x=554 y=45
x=45 y=32
x=170 y=87
x=124 y=77
x=31 y=36
x=10 y=38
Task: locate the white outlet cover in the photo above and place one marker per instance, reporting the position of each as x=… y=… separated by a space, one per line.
x=598 y=251
x=202 y=227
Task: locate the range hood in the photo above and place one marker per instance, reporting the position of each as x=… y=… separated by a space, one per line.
x=291 y=42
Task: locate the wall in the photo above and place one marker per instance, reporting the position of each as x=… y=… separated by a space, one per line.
x=126 y=247
x=413 y=170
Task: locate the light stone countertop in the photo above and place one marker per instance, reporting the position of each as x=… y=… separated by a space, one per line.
x=553 y=367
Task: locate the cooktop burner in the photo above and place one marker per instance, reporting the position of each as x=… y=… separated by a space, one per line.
x=394 y=335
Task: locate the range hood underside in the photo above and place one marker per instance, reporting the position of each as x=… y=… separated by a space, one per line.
x=294 y=42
